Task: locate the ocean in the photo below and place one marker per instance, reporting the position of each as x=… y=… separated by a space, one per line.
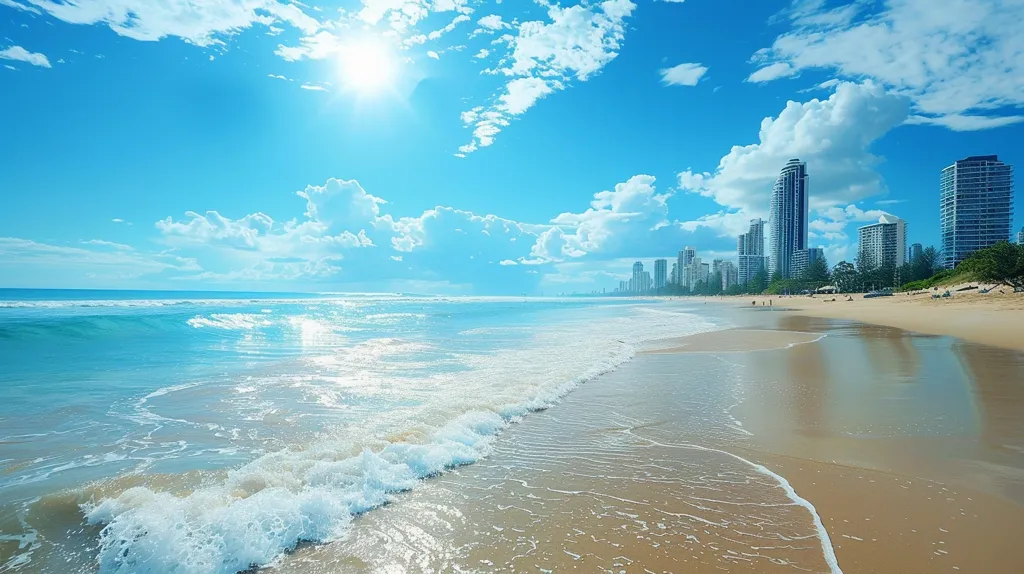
x=215 y=432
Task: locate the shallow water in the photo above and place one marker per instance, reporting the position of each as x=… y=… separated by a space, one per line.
x=158 y=432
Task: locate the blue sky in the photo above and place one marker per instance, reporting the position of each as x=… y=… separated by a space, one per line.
x=479 y=147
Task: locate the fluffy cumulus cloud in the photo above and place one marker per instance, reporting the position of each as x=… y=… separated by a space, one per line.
x=633 y=217
x=344 y=226
x=547 y=56
x=343 y=237
x=961 y=62
x=833 y=136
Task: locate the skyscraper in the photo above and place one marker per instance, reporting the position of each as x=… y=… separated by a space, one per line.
x=693 y=273
x=916 y=250
x=976 y=205
x=882 y=244
x=787 y=222
x=750 y=252
x=683 y=261
x=637 y=282
x=660 y=273
x=1020 y=236
x=729 y=274
x=804 y=258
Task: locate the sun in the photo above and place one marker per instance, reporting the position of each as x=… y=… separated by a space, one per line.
x=367 y=66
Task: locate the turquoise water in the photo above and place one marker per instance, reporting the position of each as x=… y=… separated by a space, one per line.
x=211 y=432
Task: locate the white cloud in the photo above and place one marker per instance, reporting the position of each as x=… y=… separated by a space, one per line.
x=448 y=28
x=961 y=64
x=200 y=22
x=110 y=244
x=313 y=87
x=522 y=93
x=489 y=24
x=19 y=6
x=683 y=75
x=833 y=136
x=213 y=228
x=772 y=72
x=19 y=54
x=25 y=259
x=433 y=54
x=616 y=220
x=576 y=43
x=316 y=46
x=483 y=53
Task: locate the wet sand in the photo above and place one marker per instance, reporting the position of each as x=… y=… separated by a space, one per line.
x=909 y=450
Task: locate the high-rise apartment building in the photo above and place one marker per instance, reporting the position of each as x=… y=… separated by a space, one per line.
x=882 y=244
x=674 y=277
x=750 y=252
x=683 y=260
x=1020 y=236
x=976 y=206
x=694 y=273
x=804 y=258
x=637 y=282
x=729 y=274
x=787 y=222
x=660 y=273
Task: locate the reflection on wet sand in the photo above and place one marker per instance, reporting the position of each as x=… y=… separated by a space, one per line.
x=998 y=392
x=625 y=478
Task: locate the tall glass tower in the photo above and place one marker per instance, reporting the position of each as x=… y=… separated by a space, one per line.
x=976 y=206
x=787 y=221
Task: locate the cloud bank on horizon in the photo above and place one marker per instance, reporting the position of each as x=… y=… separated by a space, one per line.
x=885 y=65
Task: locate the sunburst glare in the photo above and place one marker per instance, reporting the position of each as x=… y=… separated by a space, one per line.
x=367 y=66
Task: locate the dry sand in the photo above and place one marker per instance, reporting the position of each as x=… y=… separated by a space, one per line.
x=995 y=318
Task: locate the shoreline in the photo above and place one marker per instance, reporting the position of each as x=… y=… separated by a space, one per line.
x=657 y=465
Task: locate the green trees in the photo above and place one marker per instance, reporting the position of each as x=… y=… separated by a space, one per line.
x=845 y=276
x=921 y=268
x=816 y=275
x=758 y=283
x=1003 y=263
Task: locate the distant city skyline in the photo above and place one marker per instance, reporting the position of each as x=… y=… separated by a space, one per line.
x=976 y=207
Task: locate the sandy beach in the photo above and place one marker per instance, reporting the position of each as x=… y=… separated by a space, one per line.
x=995 y=318
x=790 y=442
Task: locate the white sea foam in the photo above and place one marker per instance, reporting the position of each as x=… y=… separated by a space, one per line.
x=284 y=498
x=229 y=321
x=827 y=550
